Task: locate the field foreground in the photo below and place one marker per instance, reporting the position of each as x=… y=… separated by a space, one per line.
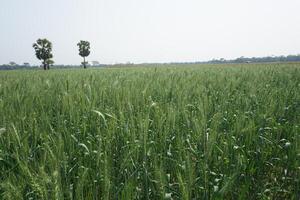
x=190 y=132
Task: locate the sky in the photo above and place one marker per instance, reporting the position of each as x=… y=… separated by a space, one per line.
x=149 y=30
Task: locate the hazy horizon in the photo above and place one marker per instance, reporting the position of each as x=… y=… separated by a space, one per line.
x=143 y=31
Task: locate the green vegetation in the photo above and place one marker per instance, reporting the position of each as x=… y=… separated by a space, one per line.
x=190 y=132
x=43 y=51
x=84 y=50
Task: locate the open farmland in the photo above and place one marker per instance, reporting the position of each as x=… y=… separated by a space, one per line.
x=185 y=132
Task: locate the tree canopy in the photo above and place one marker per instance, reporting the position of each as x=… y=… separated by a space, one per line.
x=43 y=51
x=84 y=50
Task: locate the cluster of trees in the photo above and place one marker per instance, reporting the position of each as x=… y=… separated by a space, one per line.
x=13 y=65
x=43 y=52
x=289 y=58
x=267 y=59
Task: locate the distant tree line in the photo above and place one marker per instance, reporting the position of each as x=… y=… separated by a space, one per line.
x=16 y=66
x=43 y=52
x=289 y=58
x=54 y=66
x=267 y=59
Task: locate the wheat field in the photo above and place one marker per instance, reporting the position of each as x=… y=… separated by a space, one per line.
x=160 y=132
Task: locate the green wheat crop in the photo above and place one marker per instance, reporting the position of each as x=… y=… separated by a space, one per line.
x=185 y=132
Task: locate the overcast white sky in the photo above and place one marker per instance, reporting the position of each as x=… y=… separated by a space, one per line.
x=149 y=30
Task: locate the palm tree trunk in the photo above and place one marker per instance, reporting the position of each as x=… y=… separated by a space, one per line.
x=45 y=65
x=84 y=64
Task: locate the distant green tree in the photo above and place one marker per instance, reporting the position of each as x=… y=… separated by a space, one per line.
x=84 y=50
x=43 y=51
x=12 y=63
